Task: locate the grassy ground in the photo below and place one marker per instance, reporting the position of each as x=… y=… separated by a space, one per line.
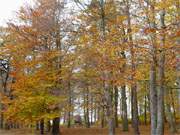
x=145 y=130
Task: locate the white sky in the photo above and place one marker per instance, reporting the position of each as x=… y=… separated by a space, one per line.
x=8 y=8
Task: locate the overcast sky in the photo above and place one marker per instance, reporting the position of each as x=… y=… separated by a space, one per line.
x=8 y=8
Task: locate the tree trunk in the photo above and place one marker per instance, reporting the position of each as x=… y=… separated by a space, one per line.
x=1 y=120
x=177 y=4
x=124 y=109
x=153 y=98
x=116 y=95
x=132 y=111
x=42 y=126
x=109 y=111
x=37 y=125
x=64 y=118
x=48 y=126
x=86 y=108
x=102 y=117
x=69 y=120
x=135 y=121
x=70 y=104
x=87 y=113
x=55 y=126
x=7 y=125
x=107 y=88
x=160 y=101
x=173 y=103
x=170 y=118
x=95 y=114
x=92 y=110
x=135 y=110
x=153 y=91
x=145 y=110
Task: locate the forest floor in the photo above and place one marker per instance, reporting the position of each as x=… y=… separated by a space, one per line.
x=145 y=130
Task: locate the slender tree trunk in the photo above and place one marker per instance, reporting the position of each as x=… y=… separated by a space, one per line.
x=109 y=111
x=134 y=104
x=69 y=120
x=160 y=107
x=178 y=82
x=160 y=101
x=55 y=126
x=107 y=88
x=57 y=28
x=48 y=126
x=92 y=110
x=37 y=125
x=124 y=114
x=148 y=102
x=42 y=126
x=87 y=112
x=95 y=115
x=177 y=4
x=170 y=117
x=86 y=107
x=132 y=111
x=124 y=109
x=4 y=82
x=70 y=104
x=145 y=110
x=102 y=117
x=116 y=95
x=153 y=91
x=173 y=104
x=135 y=111
x=64 y=117
x=153 y=99
x=1 y=120
x=7 y=125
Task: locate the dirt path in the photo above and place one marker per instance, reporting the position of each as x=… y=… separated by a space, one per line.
x=17 y=132
x=145 y=130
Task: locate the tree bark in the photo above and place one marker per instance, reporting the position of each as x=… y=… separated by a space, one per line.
x=70 y=104
x=42 y=126
x=134 y=104
x=55 y=126
x=177 y=4
x=37 y=125
x=107 y=88
x=124 y=109
x=92 y=110
x=135 y=111
x=170 y=117
x=153 y=98
x=153 y=91
x=1 y=121
x=48 y=126
x=116 y=95
x=160 y=101
x=145 y=110
x=109 y=111
x=86 y=107
x=102 y=117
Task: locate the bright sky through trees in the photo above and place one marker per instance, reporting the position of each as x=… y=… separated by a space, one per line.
x=8 y=8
